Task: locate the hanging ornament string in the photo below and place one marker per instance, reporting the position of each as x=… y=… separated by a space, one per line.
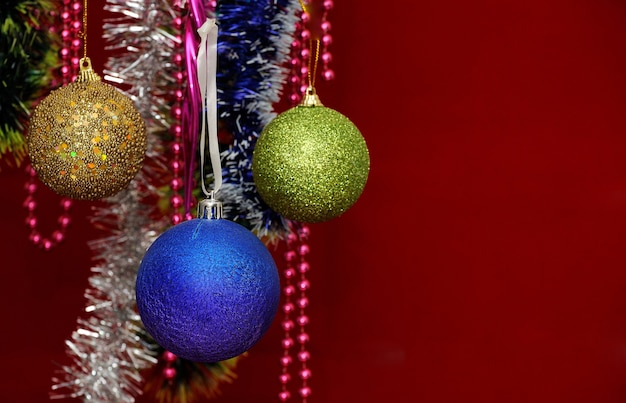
x=83 y=33
x=324 y=36
x=207 y=69
x=287 y=324
x=311 y=77
x=301 y=53
x=310 y=98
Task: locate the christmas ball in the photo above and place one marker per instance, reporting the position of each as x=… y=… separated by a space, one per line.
x=207 y=290
x=86 y=140
x=310 y=163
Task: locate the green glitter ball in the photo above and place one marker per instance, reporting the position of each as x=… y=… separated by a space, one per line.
x=310 y=164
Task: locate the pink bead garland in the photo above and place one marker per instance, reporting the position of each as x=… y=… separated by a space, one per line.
x=177 y=163
x=295 y=287
x=30 y=204
x=327 y=39
x=176 y=147
x=301 y=54
x=69 y=54
x=169 y=372
x=72 y=26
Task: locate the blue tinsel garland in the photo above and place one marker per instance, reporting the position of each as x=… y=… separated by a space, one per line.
x=254 y=44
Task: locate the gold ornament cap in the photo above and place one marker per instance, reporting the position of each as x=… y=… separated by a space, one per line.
x=311 y=98
x=86 y=72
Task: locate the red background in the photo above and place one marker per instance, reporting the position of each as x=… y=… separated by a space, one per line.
x=486 y=259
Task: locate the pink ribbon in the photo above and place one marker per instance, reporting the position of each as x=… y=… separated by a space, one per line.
x=192 y=103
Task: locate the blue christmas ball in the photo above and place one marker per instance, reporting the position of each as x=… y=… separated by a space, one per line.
x=207 y=290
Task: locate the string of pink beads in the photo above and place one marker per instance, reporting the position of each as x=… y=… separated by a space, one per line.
x=30 y=204
x=70 y=35
x=294 y=306
x=301 y=53
x=296 y=63
x=177 y=163
x=327 y=39
x=287 y=324
x=169 y=372
x=69 y=54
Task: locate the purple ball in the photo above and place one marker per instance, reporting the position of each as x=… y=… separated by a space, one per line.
x=207 y=290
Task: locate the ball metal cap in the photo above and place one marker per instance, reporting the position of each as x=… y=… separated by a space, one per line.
x=311 y=98
x=210 y=208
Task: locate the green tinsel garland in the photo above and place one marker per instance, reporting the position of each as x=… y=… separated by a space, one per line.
x=28 y=56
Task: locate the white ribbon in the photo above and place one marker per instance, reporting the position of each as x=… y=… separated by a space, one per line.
x=207 y=71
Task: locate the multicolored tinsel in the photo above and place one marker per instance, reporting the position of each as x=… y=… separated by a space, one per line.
x=254 y=45
x=110 y=350
x=28 y=57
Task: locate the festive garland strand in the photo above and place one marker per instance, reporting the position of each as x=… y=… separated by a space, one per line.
x=254 y=45
x=107 y=349
x=295 y=302
x=28 y=57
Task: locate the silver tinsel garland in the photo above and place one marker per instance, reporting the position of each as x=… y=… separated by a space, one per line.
x=108 y=348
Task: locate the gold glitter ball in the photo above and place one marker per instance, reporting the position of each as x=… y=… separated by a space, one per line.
x=86 y=140
x=310 y=163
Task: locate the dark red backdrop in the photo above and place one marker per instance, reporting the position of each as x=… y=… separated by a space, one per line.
x=486 y=260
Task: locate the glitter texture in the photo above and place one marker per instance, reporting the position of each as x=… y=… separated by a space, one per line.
x=86 y=140
x=310 y=164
